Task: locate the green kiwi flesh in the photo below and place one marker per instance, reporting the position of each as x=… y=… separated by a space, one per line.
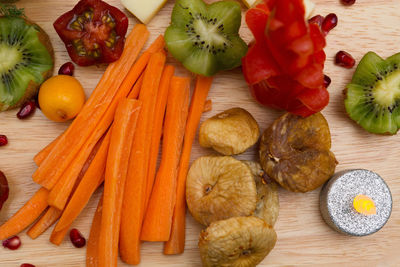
x=373 y=96
x=205 y=37
x=26 y=60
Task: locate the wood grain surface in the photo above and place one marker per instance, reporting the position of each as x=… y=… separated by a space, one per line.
x=303 y=237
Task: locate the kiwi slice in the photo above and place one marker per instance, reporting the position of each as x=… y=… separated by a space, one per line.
x=205 y=37
x=26 y=60
x=373 y=96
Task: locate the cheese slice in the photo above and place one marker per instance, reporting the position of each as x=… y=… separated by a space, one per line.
x=144 y=10
x=309 y=6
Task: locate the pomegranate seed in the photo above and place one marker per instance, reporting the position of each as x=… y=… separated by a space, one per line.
x=26 y=110
x=327 y=81
x=317 y=19
x=348 y=2
x=67 y=69
x=3 y=140
x=76 y=238
x=344 y=59
x=329 y=23
x=26 y=265
x=12 y=243
x=4 y=190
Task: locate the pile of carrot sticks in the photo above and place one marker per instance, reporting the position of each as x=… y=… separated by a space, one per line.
x=138 y=109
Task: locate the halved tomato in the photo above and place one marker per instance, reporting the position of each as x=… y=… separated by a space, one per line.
x=93 y=32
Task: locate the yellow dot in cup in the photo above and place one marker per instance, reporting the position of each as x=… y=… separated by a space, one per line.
x=364 y=205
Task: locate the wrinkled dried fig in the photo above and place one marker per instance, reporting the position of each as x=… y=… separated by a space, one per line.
x=295 y=151
x=236 y=242
x=230 y=132
x=267 y=207
x=218 y=188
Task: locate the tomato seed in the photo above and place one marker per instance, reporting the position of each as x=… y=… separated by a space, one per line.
x=327 y=81
x=12 y=243
x=67 y=69
x=27 y=109
x=344 y=59
x=330 y=22
x=3 y=140
x=76 y=238
x=348 y=2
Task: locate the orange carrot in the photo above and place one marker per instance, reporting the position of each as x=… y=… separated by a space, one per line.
x=92 y=259
x=90 y=181
x=136 y=88
x=208 y=106
x=85 y=127
x=158 y=219
x=42 y=155
x=135 y=188
x=57 y=237
x=25 y=215
x=158 y=126
x=122 y=133
x=48 y=219
x=176 y=242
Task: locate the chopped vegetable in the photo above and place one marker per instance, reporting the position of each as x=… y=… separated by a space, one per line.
x=25 y=215
x=92 y=248
x=122 y=133
x=158 y=220
x=284 y=67
x=133 y=207
x=48 y=219
x=93 y=32
x=176 y=242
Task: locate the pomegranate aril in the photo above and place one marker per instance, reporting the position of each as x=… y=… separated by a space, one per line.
x=27 y=265
x=344 y=59
x=348 y=2
x=26 y=110
x=3 y=140
x=67 y=69
x=12 y=243
x=327 y=81
x=76 y=238
x=317 y=19
x=329 y=23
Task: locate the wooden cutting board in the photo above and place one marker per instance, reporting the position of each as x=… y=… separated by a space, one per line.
x=303 y=237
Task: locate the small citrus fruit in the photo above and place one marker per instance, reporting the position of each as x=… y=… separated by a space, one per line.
x=61 y=98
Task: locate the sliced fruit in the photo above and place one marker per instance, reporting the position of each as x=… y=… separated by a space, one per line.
x=93 y=32
x=3 y=189
x=230 y=132
x=218 y=188
x=205 y=37
x=295 y=152
x=144 y=10
x=61 y=98
x=236 y=242
x=373 y=96
x=26 y=60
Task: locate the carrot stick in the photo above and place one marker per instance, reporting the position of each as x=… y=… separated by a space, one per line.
x=90 y=181
x=135 y=188
x=158 y=219
x=57 y=237
x=25 y=215
x=48 y=219
x=93 y=241
x=176 y=242
x=157 y=127
x=134 y=93
x=42 y=155
x=86 y=124
x=122 y=134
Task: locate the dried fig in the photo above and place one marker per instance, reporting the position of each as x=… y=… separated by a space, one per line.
x=267 y=207
x=218 y=188
x=295 y=151
x=239 y=241
x=230 y=132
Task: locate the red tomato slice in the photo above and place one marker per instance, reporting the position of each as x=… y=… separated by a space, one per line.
x=93 y=32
